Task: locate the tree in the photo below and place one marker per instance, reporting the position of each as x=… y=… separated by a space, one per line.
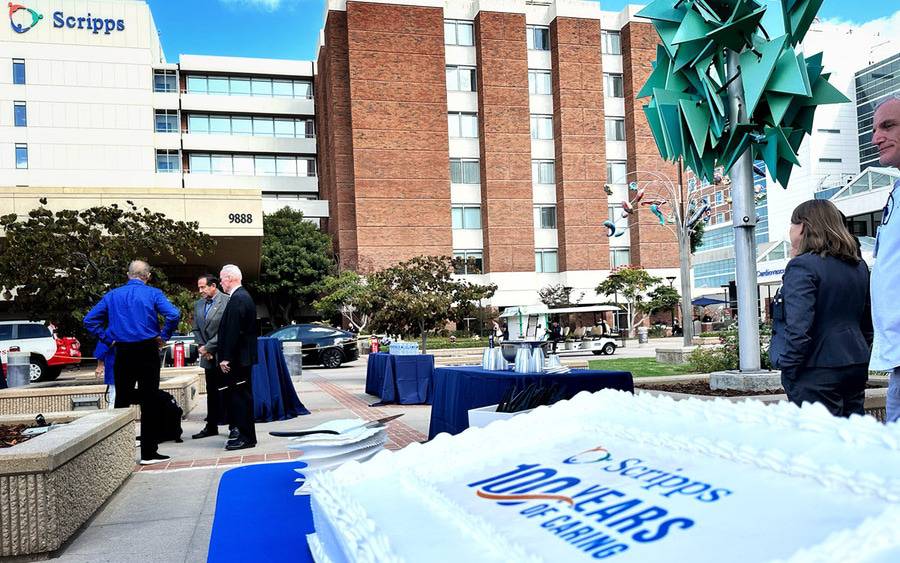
x=420 y=295
x=632 y=283
x=557 y=295
x=348 y=295
x=296 y=258
x=58 y=265
x=662 y=298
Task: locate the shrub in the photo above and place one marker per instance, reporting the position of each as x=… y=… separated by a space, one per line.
x=727 y=355
x=657 y=331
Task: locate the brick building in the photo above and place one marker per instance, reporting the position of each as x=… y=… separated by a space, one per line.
x=487 y=130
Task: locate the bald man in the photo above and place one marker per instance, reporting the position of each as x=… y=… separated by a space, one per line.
x=886 y=272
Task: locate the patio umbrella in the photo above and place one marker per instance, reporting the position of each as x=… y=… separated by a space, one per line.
x=706 y=301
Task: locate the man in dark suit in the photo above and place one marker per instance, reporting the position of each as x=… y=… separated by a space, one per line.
x=207 y=316
x=236 y=355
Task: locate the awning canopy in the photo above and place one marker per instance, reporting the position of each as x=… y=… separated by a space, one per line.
x=586 y=309
x=706 y=301
x=524 y=311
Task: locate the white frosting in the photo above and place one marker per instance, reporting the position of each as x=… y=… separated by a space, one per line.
x=850 y=457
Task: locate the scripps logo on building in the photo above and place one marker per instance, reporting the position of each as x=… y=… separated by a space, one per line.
x=21 y=18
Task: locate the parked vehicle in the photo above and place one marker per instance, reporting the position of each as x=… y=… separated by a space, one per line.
x=48 y=354
x=191 y=350
x=322 y=345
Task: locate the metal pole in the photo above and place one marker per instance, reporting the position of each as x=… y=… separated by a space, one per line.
x=744 y=221
x=684 y=263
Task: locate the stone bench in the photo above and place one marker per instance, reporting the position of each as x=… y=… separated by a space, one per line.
x=53 y=483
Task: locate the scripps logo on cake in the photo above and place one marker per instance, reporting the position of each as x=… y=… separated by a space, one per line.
x=593 y=455
x=22 y=18
x=609 y=507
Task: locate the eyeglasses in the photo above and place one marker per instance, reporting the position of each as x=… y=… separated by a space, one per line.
x=888 y=208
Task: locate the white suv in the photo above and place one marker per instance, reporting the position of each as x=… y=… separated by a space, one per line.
x=32 y=337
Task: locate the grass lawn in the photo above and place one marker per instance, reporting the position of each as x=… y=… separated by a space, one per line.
x=640 y=367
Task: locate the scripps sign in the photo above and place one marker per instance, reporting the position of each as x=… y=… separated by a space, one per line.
x=596 y=518
x=23 y=19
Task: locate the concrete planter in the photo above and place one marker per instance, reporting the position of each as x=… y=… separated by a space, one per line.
x=51 y=484
x=874 y=406
x=706 y=340
x=47 y=397
x=675 y=355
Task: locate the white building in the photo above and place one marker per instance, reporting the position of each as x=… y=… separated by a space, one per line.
x=91 y=113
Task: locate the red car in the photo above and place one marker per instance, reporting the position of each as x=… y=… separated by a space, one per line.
x=68 y=352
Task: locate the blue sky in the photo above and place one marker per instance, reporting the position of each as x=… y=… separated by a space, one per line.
x=289 y=29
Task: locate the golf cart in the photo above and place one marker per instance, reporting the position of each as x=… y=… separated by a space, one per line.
x=529 y=327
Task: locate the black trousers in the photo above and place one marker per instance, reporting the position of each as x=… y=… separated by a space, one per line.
x=239 y=402
x=842 y=390
x=137 y=365
x=215 y=405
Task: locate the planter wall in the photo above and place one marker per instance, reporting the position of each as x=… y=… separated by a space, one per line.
x=53 y=483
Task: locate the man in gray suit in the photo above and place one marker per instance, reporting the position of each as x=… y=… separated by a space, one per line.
x=207 y=314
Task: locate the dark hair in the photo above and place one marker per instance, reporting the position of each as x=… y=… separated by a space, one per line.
x=824 y=231
x=210 y=279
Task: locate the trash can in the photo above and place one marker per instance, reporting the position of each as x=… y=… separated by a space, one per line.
x=18 y=369
x=643 y=335
x=293 y=357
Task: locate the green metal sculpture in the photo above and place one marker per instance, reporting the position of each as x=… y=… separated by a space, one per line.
x=688 y=111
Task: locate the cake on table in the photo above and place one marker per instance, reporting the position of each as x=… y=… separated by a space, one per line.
x=625 y=477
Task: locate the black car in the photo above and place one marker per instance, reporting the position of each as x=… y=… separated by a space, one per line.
x=322 y=344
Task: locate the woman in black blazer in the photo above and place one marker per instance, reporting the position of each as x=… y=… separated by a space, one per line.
x=821 y=316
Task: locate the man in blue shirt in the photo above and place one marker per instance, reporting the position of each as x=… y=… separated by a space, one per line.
x=127 y=319
x=886 y=272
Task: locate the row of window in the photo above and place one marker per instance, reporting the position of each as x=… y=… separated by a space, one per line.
x=257 y=126
x=243 y=86
x=540 y=82
x=469 y=216
x=469 y=262
x=467 y=171
x=537 y=38
x=464 y=125
x=251 y=165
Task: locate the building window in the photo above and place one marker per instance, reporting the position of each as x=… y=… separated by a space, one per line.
x=459 y=33
x=466 y=216
x=546 y=261
x=541 y=126
x=538 y=38
x=615 y=212
x=252 y=165
x=720 y=198
x=21 y=155
x=720 y=217
x=166 y=120
x=616 y=171
x=167 y=161
x=463 y=125
x=245 y=125
x=464 y=171
x=615 y=129
x=20 y=114
x=243 y=86
x=619 y=257
x=613 y=86
x=468 y=262
x=544 y=216
x=165 y=81
x=18 y=71
x=829 y=131
x=610 y=42
x=543 y=171
x=460 y=78
x=539 y=83
x=830 y=160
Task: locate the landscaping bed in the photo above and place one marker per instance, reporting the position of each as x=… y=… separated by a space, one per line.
x=12 y=435
x=702 y=388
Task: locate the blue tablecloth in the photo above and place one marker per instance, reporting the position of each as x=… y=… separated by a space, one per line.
x=400 y=379
x=258 y=517
x=459 y=389
x=274 y=397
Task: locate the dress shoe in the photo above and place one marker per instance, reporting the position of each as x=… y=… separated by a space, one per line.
x=156 y=458
x=234 y=434
x=206 y=432
x=239 y=444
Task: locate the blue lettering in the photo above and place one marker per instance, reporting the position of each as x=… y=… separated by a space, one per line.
x=589 y=490
x=595 y=542
x=574 y=534
x=604 y=513
x=519 y=469
x=612 y=550
x=714 y=495
x=97 y=25
x=549 y=523
x=559 y=485
x=70 y=22
x=81 y=23
x=58 y=19
x=644 y=536
x=691 y=489
x=566 y=527
x=533 y=510
x=539 y=475
x=622 y=465
x=597 y=499
x=120 y=25
x=109 y=25
x=638 y=518
x=672 y=481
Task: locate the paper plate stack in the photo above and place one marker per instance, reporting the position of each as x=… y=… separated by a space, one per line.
x=327 y=451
